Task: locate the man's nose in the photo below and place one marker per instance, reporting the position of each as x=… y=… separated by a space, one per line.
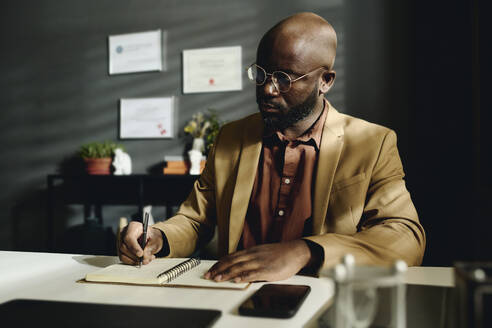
x=269 y=88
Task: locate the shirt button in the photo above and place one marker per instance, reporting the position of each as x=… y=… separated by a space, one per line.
x=281 y=213
x=287 y=181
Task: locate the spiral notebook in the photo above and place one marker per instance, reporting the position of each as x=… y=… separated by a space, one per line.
x=172 y=272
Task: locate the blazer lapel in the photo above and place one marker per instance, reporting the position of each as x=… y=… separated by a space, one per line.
x=248 y=165
x=329 y=154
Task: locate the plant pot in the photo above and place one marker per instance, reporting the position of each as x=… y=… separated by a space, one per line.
x=98 y=165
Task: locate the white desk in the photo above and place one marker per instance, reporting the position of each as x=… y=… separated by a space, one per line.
x=430 y=276
x=49 y=276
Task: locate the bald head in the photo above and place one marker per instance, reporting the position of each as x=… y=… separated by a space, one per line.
x=303 y=36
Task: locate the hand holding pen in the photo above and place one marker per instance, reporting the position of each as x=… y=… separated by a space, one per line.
x=143 y=241
x=136 y=237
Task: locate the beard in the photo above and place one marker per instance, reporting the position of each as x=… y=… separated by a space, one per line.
x=287 y=117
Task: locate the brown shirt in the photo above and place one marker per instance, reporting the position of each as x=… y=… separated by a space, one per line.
x=280 y=207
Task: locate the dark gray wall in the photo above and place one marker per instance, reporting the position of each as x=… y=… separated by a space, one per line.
x=422 y=68
x=56 y=93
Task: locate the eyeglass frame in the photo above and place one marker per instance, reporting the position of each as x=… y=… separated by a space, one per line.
x=275 y=83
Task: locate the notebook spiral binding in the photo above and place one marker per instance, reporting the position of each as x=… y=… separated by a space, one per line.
x=179 y=269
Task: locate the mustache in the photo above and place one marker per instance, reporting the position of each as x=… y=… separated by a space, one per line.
x=263 y=102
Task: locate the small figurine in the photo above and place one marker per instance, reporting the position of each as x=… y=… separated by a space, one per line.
x=122 y=162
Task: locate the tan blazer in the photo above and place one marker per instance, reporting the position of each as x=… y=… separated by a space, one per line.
x=361 y=204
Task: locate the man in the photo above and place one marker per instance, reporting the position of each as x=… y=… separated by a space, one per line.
x=298 y=185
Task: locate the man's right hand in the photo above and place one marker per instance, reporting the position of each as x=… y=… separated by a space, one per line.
x=129 y=247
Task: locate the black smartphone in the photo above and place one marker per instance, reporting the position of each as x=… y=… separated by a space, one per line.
x=275 y=301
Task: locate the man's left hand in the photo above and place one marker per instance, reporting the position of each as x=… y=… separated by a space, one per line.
x=268 y=262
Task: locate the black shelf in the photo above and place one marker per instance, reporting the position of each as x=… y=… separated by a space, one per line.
x=95 y=191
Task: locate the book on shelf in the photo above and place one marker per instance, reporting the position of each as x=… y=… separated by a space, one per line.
x=178 y=165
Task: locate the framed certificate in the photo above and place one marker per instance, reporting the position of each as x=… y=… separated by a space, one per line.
x=147 y=118
x=212 y=69
x=136 y=52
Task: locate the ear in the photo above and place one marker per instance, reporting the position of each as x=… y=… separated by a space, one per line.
x=326 y=81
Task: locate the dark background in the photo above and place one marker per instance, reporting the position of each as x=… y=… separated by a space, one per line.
x=418 y=67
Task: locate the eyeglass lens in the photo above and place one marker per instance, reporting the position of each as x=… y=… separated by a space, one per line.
x=280 y=79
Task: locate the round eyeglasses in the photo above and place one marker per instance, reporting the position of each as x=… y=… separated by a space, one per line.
x=281 y=80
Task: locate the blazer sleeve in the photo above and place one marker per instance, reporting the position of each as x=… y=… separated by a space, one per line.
x=389 y=228
x=194 y=223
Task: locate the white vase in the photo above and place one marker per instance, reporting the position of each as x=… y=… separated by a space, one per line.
x=195 y=160
x=198 y=144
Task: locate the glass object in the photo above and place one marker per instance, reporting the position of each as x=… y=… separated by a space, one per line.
x=361 y=296
x=472 y=295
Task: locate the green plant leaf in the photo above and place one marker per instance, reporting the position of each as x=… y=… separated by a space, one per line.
x=99 y=149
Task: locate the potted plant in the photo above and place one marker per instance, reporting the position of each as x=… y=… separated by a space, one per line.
x=204 y=129
x=197 y=127
x=98 y=156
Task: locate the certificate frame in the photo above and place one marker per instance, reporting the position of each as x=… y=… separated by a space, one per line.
x=137 y=52
x=147 y=118
x=215 y=69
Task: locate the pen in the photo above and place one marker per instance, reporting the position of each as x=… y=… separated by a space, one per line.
x=143 y=241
